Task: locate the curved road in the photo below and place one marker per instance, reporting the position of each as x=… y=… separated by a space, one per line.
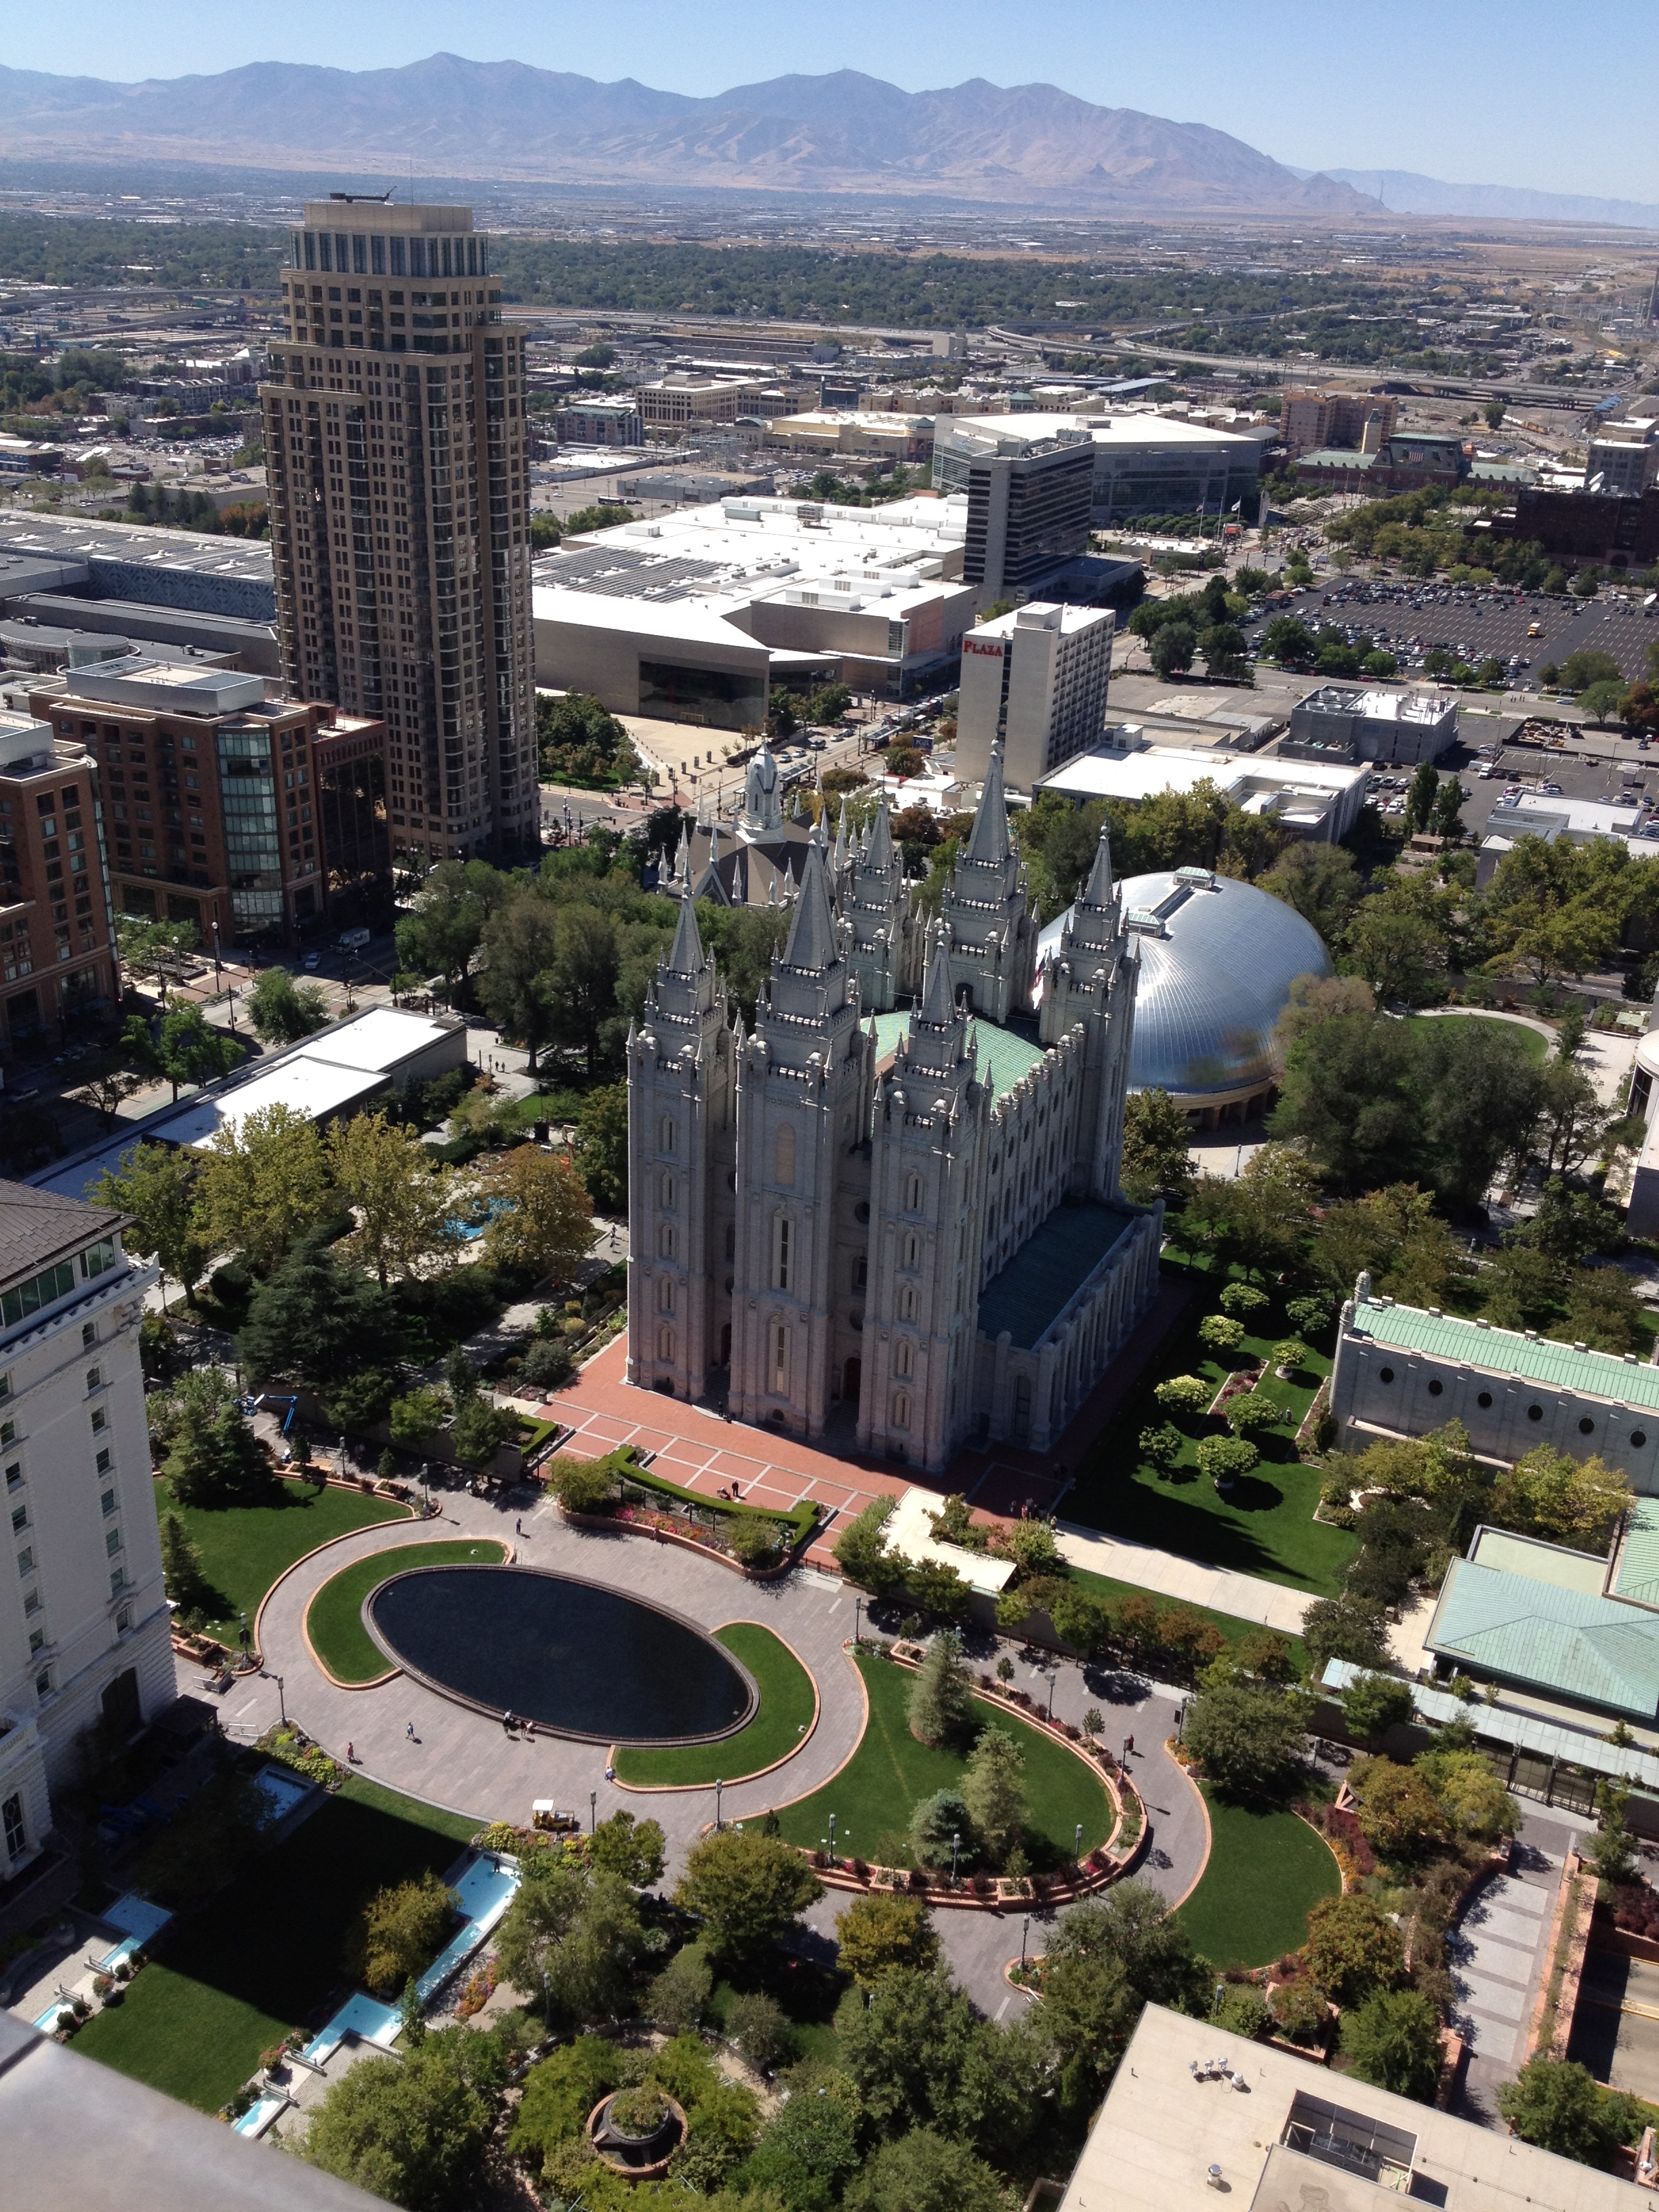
x=461 y=1759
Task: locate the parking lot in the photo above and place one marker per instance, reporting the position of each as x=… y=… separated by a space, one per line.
x=1408 y=622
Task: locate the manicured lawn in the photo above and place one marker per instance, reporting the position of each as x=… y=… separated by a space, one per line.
x=334 y=1618
x=890 y=1772
x=245 y=1547
x=1114 y=1592
x=1266 y=1870
x=1534 y=1044
x=782 y=1719
x=1264 y=1525
x=268 y=1953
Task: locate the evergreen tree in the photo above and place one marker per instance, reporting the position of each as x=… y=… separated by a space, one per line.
x=181 y=1566
x=940 y=1709
x=994 y=1790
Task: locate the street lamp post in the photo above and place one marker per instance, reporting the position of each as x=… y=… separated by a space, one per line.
x=718 y=1786
x=857 y=1617
x=956 y=1844
x=215 y=956
x=282 y=1702
x=593 y=1809
x=832 y=1840
x=1025 y=1931
x=1077 y=1853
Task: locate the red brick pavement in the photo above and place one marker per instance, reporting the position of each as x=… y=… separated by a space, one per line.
x=701 y=1450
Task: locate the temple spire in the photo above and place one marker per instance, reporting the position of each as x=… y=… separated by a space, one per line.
x=686 y=956
x=937 y=1003
x=988 y=838
x=879 y=854
x=812 y=942
x=1099 y=891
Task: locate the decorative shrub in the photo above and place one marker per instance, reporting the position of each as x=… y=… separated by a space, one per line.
x=1241 y=1299
x=1220 y=1332
x=1299 y=2011
x=1242 y=2012
x=638 y=2112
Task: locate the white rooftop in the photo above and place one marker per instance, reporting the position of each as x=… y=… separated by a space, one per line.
x=380 y=1037
x=1275 y=2133
x=1138 y=775
x=908 y=1530
x=315 y=1088
x=168 y=687
x=1129 y=429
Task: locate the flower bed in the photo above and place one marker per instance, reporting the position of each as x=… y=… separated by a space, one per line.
x=755 y=1540
x=293 y=1747
x=1238 y=1384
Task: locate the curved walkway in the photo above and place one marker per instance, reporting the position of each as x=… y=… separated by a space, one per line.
x=461 y=1759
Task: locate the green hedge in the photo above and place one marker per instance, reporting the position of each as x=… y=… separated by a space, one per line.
x=800 y=1521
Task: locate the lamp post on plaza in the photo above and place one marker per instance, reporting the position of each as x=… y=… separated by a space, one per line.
x=593 y=1809
x=718 y=1786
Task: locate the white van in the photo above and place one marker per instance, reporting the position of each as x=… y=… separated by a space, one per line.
x=353 y=937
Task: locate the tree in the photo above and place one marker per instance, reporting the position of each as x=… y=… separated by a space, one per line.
x=106 y=1092
x=1393 y=2041
x=747 y=1888
x=157 y=1185
x=994 y=1790
x=1173 y=648
x=1080 y=1618
x=1398 y=1812
x=599 y=1150
x=1156 y=1161
x=315 y=1321
x=917 y=2054
x=1589 y=665
x=416 y=1418
x=1288 y=640
x=413 y=2130
x=218 y=1461
x=809 y=2146
x=181 y=1566
x=1555 y=2103
x=760 y=2027
x=403 y=1199
x=1421 y=798
x=631 y=1848
x=441 y=936
x=1220 y=1332
x=1090 y=2009
x=400 y=1931
x=1373 y=1703
x=923 y=2172
x=264 y=1183
x=1320 y=881
x=1160 y=1447
x=182 y=1048
x=1255 y=1409
x=879 y=1934
x=679 y=1998
x=1613 y=1852
x=544 y=1224
x=569 y=1938
x=1223 y=646
x=1354 y=1948
x=1223 y=1460
x=1247 y=1738
x=1562 y=1500
x=561 y=2090
x=582 y=978
x=941 y=1710
x=1474 y=1802
x=519 y=948
x=478 y=1430
x=861 y=1551
x=280 y=1011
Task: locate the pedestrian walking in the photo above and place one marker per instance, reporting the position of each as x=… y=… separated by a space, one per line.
x=409 y=1730
x=351 y=1755
x=517 y=1527
x=1128 y=1747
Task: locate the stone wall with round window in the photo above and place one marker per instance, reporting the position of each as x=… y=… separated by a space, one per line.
x=1534 y=1413
x=1436 y=1386
x=1385 y=1374
x=1484 y=1401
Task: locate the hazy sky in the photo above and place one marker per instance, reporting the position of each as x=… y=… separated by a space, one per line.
x=1515 y=92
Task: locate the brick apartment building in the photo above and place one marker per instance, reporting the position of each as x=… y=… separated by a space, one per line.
x=221 y=807
x=57 y=960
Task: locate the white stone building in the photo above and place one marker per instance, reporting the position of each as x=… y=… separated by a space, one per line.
x=83 y=1625
x=903 y=1226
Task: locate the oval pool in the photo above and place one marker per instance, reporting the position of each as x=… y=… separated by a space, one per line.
x=576 y=1659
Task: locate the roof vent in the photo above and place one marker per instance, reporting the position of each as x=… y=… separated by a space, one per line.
x=1630 y=1359
x=1480 y=1321
x=1436 y=1311
x=1579 y=1345
x=1532 y=1336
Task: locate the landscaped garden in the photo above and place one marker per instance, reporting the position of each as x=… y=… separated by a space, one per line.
x=1262 y=1521
x=334 y=1618
x=229 y=1980
x=1534 y=1043
x=1265 y=1871
x=891 y=1773
x=244 y=1548
x=779 y=1726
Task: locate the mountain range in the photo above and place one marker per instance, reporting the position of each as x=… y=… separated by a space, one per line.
x=1029 y=144
x=1403 y=192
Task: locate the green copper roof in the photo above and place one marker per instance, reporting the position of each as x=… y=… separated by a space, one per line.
x=1004 y=1056
x=1590 y=1650
x=1636 y=1575
x=1505 y=1351
x=1049 y=1269
x=1536 y=1561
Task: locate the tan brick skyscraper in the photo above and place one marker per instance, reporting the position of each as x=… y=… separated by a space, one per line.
x=400 y=515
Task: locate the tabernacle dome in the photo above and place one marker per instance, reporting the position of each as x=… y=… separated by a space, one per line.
x=1218 y=958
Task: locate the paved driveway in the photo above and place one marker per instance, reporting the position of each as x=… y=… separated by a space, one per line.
x=462 y=1759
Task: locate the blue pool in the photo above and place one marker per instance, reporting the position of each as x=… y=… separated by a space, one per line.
x=487 y=1211
x=282 y=1791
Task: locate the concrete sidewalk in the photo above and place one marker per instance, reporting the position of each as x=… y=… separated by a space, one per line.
x=1246 y=1597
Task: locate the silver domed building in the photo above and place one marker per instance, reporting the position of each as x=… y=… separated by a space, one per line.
x=1218 y=958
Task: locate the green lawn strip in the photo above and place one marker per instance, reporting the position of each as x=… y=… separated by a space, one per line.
x=1265 y=1525
x=890 y=1772
x=1266 y=1870
x=799 y=1520
x=1230 y=1627
x=1534 y=1043
x=809 y=2009
x=268 y=1951
x=334 y=1618
x=246 y=1548
x=781 y=1720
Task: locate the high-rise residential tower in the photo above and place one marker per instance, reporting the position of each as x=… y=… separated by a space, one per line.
x=400 y=514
